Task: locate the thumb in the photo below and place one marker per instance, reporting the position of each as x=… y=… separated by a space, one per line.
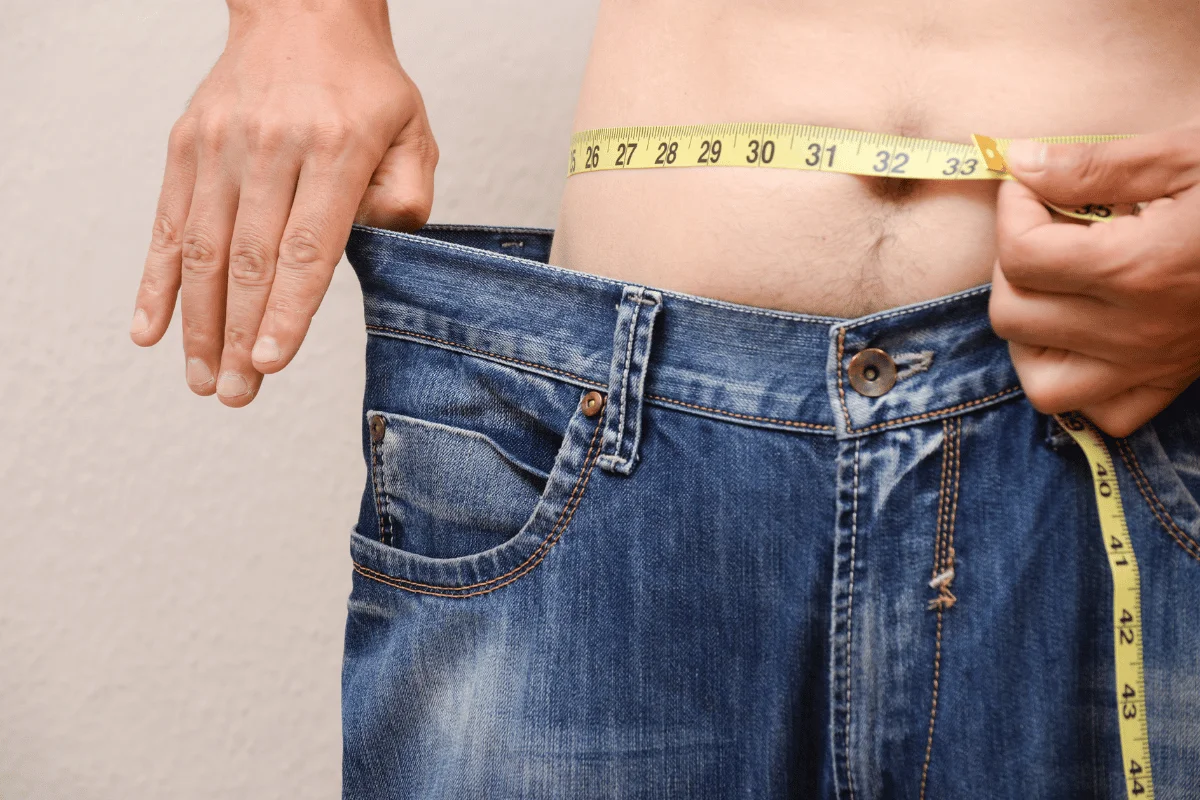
x=1119 y=171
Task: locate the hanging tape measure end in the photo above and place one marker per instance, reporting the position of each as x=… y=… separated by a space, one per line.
x=989 y=149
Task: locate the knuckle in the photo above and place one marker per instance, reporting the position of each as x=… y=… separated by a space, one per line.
x=1014 y=254
x=1004 y=322
x=411 y=210
x=239 y=337
x=182 y=138
x=1043 y=396
x=250 y=261
x=1090 y=167
x=332 y=135
x=198 y=337
x=199 y=254
x=427 y=148
x=164 y=236
x=213 y=130
x=266 y=134
x=301 y=248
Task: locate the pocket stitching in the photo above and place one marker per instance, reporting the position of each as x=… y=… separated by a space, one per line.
x=1181 y=537
x=524 y=568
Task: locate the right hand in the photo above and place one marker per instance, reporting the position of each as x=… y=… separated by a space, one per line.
x=306 y=124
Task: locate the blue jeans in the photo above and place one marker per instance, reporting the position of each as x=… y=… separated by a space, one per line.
x=628 y=543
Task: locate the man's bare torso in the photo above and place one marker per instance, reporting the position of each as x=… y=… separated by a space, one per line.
x=836 y=244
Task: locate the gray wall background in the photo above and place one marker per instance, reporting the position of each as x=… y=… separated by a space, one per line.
x=173 y=573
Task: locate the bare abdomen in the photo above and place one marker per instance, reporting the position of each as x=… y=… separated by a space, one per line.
x=837 y=244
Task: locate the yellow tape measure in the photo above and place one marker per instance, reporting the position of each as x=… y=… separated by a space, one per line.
x=1127 y=609
x=809 y=147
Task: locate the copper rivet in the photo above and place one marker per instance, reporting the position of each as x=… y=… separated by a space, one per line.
x=378 y=426
x=591 y=403
x=872 y=372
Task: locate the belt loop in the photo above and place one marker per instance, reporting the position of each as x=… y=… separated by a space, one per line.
x=627 y=378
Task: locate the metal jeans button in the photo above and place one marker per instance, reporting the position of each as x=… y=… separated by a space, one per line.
x=378 y=426
x=872 y=372
x=591 y=403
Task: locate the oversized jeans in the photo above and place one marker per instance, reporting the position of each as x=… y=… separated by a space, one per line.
x=622 y=542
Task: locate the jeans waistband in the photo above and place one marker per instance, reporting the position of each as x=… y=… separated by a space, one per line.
x=488 y=291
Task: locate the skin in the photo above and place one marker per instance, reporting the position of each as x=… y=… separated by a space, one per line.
x=307 y=122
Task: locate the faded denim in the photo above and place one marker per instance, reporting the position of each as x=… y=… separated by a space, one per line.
x=742 y=578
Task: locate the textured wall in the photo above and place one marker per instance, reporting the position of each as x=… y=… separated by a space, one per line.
x=173 y=573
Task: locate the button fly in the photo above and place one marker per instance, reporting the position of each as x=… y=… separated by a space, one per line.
x=872 y=372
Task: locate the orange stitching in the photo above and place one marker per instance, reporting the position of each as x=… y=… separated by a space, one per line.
x=589 y=382
x=950 y=450
x=384 y=579
x=384 y=523
x=850 y=624
x=957 y=484
x=959 y=407
x=580 y=485
x=941 y=512
x=1189 y=545
x=841 y=388
x=789 y=422
x=481 y=352
x=937 y=667
x=846 y=411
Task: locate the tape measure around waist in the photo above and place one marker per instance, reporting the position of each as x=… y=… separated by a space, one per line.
x=1127 y=609
x=812 y=148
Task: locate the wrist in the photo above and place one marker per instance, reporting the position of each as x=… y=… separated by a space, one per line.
x=243 y=12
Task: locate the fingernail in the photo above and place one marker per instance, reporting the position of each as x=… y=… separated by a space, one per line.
x=198 y=373
x=232 y=385
x=265 y=350
x=140 y=324
x=1026 y=155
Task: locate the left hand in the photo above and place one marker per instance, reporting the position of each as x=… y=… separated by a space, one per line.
x=1102 y=318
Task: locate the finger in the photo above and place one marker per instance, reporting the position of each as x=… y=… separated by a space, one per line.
x=1127 y=411
x=1119 y=171
x=1080 y=323
x=159 y=287
x=400 y=194
x=264 y=201
x=328 y=191
x=1037 y=253
x=205 y=255
x=1057 y=380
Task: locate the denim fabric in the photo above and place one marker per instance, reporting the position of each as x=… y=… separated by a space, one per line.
x=742 y=578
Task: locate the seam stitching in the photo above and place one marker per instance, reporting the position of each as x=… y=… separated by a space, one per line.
x=1002 y=393
x=481 y=352
x=922 y=307
x=590 y=382
x=944 y=538
x=841 y=351
x=525 y=567
x=1164 y=518
x=850 y=621
x=788 y=422
x=630 y=334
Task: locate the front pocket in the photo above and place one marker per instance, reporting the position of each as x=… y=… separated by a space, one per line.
x=447 y=492
x=502 y=510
